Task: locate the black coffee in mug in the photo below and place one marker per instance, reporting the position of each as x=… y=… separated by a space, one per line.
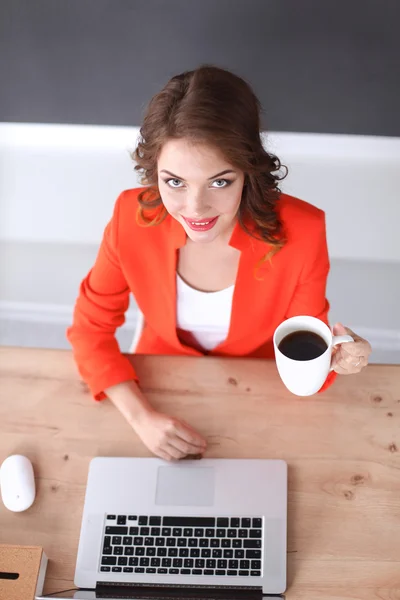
x=303 y=345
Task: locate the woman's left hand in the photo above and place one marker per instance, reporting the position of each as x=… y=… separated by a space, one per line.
x=350 y=357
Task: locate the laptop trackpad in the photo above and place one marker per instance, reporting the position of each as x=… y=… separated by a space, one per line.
x=185 y=486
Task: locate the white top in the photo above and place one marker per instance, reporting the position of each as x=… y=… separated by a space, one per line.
x=203 y=316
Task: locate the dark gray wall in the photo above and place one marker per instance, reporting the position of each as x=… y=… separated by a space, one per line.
x=317 y=65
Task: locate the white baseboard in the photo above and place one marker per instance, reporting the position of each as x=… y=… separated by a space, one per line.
x=382 y=340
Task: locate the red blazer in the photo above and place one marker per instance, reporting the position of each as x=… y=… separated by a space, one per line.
x=142 y=261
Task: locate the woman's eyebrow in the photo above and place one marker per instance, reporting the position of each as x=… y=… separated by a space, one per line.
x=183 y=179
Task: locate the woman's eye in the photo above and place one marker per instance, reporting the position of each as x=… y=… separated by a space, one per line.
x=220 y=183
x=174 y=183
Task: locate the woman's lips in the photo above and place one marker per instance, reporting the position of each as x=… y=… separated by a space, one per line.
x=201 y=225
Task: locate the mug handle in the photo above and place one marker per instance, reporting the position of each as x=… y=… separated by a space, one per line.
x=340 y=339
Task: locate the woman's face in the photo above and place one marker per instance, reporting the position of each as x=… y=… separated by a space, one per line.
x=199 y=188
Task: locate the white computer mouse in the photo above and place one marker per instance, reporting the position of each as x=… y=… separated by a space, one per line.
x=17 y=483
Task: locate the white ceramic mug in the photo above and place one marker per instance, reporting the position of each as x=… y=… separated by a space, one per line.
x=305 y=377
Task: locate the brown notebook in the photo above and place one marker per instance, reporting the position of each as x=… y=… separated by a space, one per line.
x=22 y=572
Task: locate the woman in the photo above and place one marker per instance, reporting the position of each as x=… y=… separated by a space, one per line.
x=214 y=255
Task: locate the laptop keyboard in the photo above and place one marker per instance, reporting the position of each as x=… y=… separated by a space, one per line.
x=230 y=546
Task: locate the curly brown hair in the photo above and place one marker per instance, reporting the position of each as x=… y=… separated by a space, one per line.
x=212 y=105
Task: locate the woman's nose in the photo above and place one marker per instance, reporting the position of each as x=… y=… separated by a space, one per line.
x=196 y=207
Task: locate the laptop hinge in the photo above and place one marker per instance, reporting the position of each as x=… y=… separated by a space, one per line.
x=133 y=591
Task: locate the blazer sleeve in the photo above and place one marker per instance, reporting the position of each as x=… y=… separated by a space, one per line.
x=310 y=294
x=100 y=308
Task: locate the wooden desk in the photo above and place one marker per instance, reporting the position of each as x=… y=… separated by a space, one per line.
x=342 y=447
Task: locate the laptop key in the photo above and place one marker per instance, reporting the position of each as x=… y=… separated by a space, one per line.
x=149 y=541
x=210 y=533
x=160 y=541
x=228 y=553
x=231 y=533
x=199 y=563
x=166 y=531
x=255 y=573
x=161 y=551
x=221 y=533
x=151 y=570
x=226 y=543
x=109 y=560
x=211 y=563
x=139 y=551
x=255 y=533
x=189 y=521
x=246 y=523
x=177 y=562
x=151 y=551
x=199 y=533
x=231 y=573
x=233 y=564
x=138 y=541
x=253 y=553
x=116 y=540
x=256 y=565
x=184 y=552
x=132 y=518
x=114 y=530
x=166 y=562
x=193 y=543
x=237 y=543
x=257 y=523
x=215 y=543
x=128 y=569
x=177 y=532
x=144 y=561
x=197 y=572
x=134 y=561
x=127 y=541
x=105 y=569
x=222 y=522
x=123 y=561
x=171 y=542
x=239 y=553
x=206 y=553
x=118 y=550
x=155 y=521
x=172 y=551
x=243 y=533
x=139 y=570
x=107 y=550
x=222 y=563
x=220 y=572
x=111 y=517
x=156 y=532
x=121 y=520
x=204 y=543
x=235 y=522
x=142 y=520
x=252 y=543
x=185 y=571
x=244 y=573
x=117 y=569
x=133 y=530
x=145 y=531
x=162 y=571
x=244 y=565
x=194 y=552
x=217 y=553
x=182 y=542
x=188 y=563
x=187 y=532
x=173 y=571
x=208 y=572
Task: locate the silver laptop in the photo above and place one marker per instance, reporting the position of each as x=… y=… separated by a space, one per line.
x=210 y=528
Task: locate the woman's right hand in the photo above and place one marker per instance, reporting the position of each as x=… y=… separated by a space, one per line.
x=168 y=437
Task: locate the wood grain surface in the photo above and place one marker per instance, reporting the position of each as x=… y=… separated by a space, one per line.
x=342 y=447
